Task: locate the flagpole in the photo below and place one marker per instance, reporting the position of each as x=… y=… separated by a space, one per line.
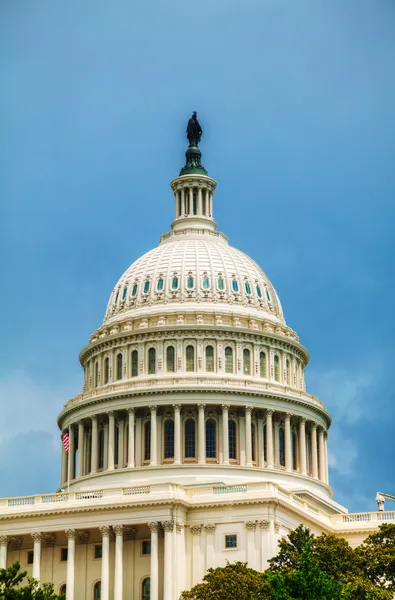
x=69 y=465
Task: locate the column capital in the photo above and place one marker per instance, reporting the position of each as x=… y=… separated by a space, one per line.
x=179 y=526
x=314 y=425
x=37 y=536
x=111 y=414
x=269 y=412
x=250 y=525
x=71 y=534
x=4 y=540
x=264 y=525
x=176 y=407
x=154 y=526
x=196 y=529
x=225 y=407
x=276 y=526
x=105 y=530
x=168 y=525
x=130 y=411
x=248 y=409
x=303 y=420
x=80 y=422
x=201 y=407
x=288 y=416
x=94 y=418
x=118 y=529
x=209 y=528
x=153 y=408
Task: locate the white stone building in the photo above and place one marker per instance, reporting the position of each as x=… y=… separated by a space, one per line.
x=194 y=441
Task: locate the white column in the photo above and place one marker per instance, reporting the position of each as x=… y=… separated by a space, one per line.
x=261 y=450
x=168 y=527
x=95 y=443
x=37 y=539
x=314 y=453
x=72 y=451
x=269 y=439
x=287 y=442
x=201 y=428
x=118 y=578
x=105 y=562
x=265 y=544
x=111 y=440
x=321 y=454
x=153 y=410
x=63 y=475
x=179 y=560
x=200 y=201
x=154 y=527
x=251 y=552
x=121 y=430
x=326 y=458
x=131 y=457
x=3 y=551
x=70 y=575
x=225 y=432
x=210 y=550
x=196 y=530
x=177 y=434
x=302 y=446
x=80 y=448
x=248 y=410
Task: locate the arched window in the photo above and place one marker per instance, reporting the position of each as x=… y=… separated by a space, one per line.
x=228 y=360
x=282 y=447
x=116 y=297
x=276 y=368
x=96 y=374
x=119 y=365
x=294 y=451
x=209 y=358
x=190 y=358
x=262 y=364
x=258 y=291
x=97 y=590
x=134 y=290
x=174 y=283
x=124 y=293
x=135 y=363
x=169 y=439
x=159 y=285
x=106 y=370
x=62 y=590
x=246 y=362
x=253 y=442
x=147 y=286
x=211 y=438
x=170 y=359
x=101 y=449
x=206 y=282
x=221 y=283
x=190 y=441
x=146 y=589
x=232 y=439
x=248 y=288
x=190 y=282
x=147 y=440
x=268 y=295
x=151 y=361
x=235 y=285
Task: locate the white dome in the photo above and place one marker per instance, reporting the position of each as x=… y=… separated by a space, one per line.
x=192 y=268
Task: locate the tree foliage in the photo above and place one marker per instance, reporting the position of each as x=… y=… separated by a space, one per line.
x=11 y=588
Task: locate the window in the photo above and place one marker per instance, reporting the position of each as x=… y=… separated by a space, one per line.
x=119 y=366
x=147 y=287
x=221 y=283
x=174 y=283
x=231 y=541
x=134 y=290
x=209 y=358
x=116 y=297
x=169 y=439
x=276 y=368
x=268 y=295
x=228 y=360
x=106 y=370
x=96 y=374
x=101 y=449
x=98 y=551
x=124 y=293
x=294 y=451
x=151 y=361
x=190 y=282
x=211 y=438
x=30 y=557
x=282 y=447
x=206 y=282
x=147 y=441
x=235 y=285
x=253 y=442
x=246 y=362
x=135 y=363
x=159 y=285
x=190 y=358
x=258 y=291
x=146 y=589
x=63 y=554
x=170 y=359
x=232 y=440
x=62 y=590
x=97 y=591
x=247 y=287
x=145 y=547
x=190 y=441
x=262 y=364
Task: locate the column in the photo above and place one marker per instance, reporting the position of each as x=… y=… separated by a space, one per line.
x=248 y=410
x=111 y=440
x=326 y=457
x=269 y=439
x=105 y=452
x=302 y=446
x=154 y=527
x=210 y=551
x=121 y=430
x=179 y=560
x=200 y=201
x=225 y=432
x=153 y=410
x=321 y=454
x=176 y=193
x=190 y=211
x=314 y=453
x=265 y=543
x=251 y=526
x=105 y=562
x=94 y=446
x=3 y=551
x=196 y=530
x=118 y=576
x=201 y=432
x=261 y=451
x=72 y=451
x=182 y=214
x=287 y=442
x=70 y=575
x=80 y=448
x=131 y=457
x=177 y=433
x=37 y=539
x=168 y=527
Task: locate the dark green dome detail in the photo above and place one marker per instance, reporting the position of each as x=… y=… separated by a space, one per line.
x=193 y=165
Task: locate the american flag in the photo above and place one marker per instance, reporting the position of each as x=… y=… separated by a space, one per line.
x=66 y=442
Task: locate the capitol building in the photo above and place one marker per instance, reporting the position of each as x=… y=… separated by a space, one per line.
x=194 y=440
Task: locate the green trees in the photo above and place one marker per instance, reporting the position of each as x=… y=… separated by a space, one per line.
x=11 y=588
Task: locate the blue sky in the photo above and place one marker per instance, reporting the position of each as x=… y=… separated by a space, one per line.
x=297 y=101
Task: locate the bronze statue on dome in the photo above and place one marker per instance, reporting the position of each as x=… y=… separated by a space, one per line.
x=194 y=131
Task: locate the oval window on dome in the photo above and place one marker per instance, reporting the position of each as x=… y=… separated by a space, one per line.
x=190 y=282
x=159 y=286
x=147 y=287
x=258 y=291
x=206 y=282
x=221 y=283
x=268 y=296
x=235 y=285
x=124 y=293
x=134 y=290
x=116 y=297
x=247 y=287
x=174 y=283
